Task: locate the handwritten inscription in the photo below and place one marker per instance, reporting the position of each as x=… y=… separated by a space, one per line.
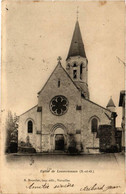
x=97 y=187
x=65 y=183
x=46 y=186
x=34 y=186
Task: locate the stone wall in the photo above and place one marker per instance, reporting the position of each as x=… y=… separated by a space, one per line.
x=75 y=121
x=71 y=119
x=91 y=110
x=34 y=138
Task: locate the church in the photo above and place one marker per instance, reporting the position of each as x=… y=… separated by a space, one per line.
x=65 y=119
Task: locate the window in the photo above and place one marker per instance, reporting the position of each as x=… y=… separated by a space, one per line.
x=94 y=125
x=39 y=109
x=74 y=74
x=78 y=131
x=58 y=83
x=78 y=107
x=74 y=65
x=81 y=71
x=59 y=105
x=30 y=127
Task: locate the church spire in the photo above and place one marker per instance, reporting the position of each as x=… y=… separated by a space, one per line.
x=110 y=103
x=111 y=106
x=77 y=63
x=77 y=46
x=77 y=12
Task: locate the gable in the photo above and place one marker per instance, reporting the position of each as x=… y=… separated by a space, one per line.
x=56 y=71
x=59 y=83
x=29 y=112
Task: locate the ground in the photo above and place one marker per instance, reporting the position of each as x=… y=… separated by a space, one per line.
x=107 y=160
x=34 y=172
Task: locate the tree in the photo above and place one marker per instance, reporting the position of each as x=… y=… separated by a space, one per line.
x=11 y=130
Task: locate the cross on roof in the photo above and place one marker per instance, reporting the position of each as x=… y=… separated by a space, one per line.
x=59 y=59
x=77 y=12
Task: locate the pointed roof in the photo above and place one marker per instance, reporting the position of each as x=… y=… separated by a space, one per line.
x=77 y=46
x=110 y=103
x=59 y=65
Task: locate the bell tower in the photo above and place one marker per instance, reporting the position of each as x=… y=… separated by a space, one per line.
x=77 y=63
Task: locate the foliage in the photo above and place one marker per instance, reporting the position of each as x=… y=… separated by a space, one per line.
x=11 y=129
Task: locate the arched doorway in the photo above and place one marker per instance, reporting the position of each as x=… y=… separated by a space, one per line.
x=59 y=139
x=59 y=142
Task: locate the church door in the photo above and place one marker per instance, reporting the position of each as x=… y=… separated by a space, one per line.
x=59 y=142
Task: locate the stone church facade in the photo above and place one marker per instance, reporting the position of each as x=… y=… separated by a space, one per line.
x=65 y=116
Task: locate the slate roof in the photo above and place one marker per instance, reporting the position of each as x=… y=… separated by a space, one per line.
x=77 y=46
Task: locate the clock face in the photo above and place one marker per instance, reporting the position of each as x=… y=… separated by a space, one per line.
x=59 y=105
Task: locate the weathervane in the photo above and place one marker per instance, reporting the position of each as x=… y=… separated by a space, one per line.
x=59 y=59
x=77 y=12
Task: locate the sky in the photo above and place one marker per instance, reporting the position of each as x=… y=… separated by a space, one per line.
x=34 y=34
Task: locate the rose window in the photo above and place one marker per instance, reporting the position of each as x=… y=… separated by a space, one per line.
x=59 y=105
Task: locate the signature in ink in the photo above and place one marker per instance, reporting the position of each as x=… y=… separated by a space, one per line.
x=97 y=187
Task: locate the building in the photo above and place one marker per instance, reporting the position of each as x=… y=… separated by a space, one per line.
x=122 y=104
x=65 y=119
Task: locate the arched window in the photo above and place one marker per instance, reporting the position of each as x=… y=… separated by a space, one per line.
x=30 y=127
x=81 y=70
x=74 y=65
x=74 y=70
x=94 y=125
x=74 y=74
